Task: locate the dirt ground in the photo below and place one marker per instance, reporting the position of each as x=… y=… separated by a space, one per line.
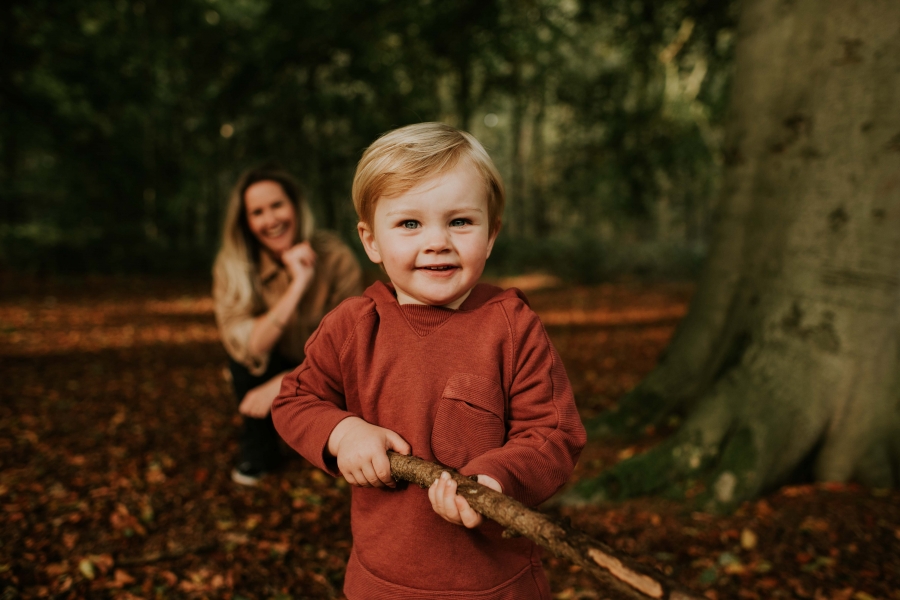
x=118 y=432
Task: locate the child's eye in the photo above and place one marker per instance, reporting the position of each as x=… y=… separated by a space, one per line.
x=459 y=222
x=409 y=224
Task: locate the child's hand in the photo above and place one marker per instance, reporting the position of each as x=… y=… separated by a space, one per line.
x=453 y=508
x=361 y=452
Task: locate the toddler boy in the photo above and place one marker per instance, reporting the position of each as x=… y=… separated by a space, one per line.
x=436 y=365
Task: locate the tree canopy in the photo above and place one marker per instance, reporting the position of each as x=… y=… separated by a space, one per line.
x=124 y=124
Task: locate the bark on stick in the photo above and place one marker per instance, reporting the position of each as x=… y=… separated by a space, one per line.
x=621 y=577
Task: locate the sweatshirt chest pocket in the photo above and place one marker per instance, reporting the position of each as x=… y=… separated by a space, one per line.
x=470 y=420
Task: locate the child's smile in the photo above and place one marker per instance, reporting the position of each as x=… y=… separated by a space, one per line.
x=434 y=239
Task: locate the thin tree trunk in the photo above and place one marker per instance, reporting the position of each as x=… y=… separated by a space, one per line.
x=517 y=187
x=540 y=218
x=619 y=575
x=464 y=93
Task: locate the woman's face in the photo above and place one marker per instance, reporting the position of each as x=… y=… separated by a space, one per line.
x=271 y=216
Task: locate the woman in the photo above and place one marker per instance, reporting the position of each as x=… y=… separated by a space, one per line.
x=273 y=280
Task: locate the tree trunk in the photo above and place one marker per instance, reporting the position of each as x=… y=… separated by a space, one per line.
x=787 y=362
x=540 y=216
x=519 y=158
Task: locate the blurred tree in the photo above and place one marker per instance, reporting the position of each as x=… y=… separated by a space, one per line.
x=124 y=123
x=787 y=363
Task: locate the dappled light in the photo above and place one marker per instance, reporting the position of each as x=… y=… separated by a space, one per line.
x=92 y=326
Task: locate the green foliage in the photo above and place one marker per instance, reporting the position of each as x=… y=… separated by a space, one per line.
x=583 y=258
x=123 y=124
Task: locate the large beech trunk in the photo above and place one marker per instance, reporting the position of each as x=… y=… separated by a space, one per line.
x=789 y=358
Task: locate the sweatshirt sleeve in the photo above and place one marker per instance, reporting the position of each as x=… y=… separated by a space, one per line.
x=312 y=402
x=545 y=434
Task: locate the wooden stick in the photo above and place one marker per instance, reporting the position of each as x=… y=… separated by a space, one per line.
x=620 y=576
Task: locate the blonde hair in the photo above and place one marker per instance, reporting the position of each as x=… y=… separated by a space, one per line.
x=237 y=263
x=401 y=159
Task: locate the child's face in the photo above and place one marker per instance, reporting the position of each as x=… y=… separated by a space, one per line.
x=434 y=239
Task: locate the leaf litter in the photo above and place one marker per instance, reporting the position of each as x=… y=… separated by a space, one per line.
x=118 y=433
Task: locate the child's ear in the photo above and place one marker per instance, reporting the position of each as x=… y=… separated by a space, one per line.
x=492 y=238
x=367 y=237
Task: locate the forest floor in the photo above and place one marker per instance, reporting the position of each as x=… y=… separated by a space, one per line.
x=118 y=432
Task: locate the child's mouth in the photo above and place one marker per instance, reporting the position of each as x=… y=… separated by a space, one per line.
x=439 y=268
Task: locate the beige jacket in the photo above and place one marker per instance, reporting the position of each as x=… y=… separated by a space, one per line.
x=337 y=277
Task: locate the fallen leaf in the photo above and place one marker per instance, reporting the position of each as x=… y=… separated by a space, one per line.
x=748 y=539
x=86 y=568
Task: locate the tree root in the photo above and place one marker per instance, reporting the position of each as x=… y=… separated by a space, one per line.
x=640 y=409
x=619 y=575
x=715 y=479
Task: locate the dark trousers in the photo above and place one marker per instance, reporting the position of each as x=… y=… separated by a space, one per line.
x=259 y=440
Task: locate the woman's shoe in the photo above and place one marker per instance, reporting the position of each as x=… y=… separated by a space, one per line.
x=247 y=473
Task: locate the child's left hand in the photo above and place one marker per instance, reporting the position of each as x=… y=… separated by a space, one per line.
x=453 y=508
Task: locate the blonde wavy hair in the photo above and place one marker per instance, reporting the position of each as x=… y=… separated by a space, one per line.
x=237 y=263
x=401 y=159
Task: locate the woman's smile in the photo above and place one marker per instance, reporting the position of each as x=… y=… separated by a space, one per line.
x=271 y=216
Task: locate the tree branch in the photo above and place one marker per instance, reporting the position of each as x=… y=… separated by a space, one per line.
x=620 y=576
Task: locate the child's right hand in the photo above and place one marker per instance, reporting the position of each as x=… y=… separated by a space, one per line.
x=361 y=452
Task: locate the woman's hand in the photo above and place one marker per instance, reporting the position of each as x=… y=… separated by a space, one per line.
x=453 y=508
x=258 y=401
x=300 y=261
x=361 y=452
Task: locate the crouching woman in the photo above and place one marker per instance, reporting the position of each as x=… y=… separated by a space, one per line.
x=274 y=279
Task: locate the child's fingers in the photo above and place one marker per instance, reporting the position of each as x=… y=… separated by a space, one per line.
x=381 y=465
x=445 y=499
x=469 y=517
x=448 y=499
x=355 y=478
x=439 y=484
x=370 y=477
x=449 y=505
x=396 y=443
x=434 y=494
x=354 y=475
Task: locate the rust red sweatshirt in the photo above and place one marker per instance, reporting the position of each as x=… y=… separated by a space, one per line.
x=479 y=389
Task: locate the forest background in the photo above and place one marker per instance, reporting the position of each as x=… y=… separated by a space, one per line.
x=124 y=124
x=762 y=441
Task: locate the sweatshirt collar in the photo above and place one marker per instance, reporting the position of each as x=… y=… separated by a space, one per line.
x=383 y=294
x=422 y=318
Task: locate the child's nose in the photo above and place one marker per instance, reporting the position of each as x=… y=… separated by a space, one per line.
x=438 y=240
